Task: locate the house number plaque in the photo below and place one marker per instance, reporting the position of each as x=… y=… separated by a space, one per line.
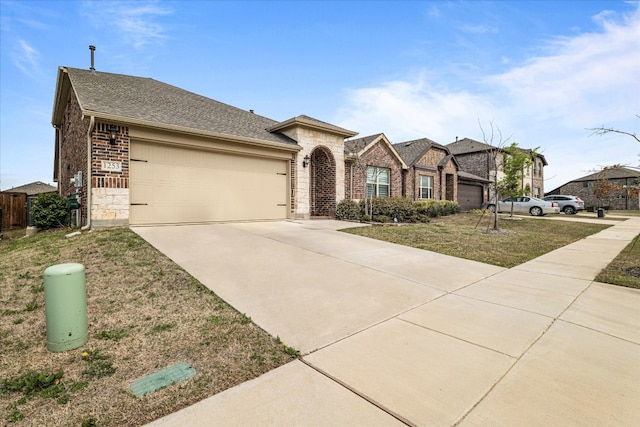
x=111 y=166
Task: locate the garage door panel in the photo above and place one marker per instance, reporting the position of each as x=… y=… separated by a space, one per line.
x=174 y=185
x=469 y=196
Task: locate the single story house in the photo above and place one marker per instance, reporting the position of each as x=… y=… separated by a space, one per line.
x=432 y=170
x=619 y=186
x=152 y=153
x=373 y=168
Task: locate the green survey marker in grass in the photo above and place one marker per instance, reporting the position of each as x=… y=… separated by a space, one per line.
x=165 y=377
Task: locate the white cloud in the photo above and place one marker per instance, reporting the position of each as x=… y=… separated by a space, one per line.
x=135 y=21
x=585 y=79
x=26 y=57
x=406 y=110
x=548 y=101
x=478 y=29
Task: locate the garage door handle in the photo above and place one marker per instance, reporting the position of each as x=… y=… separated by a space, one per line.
x=139 y=160
x=282 y=204
x=280 y=173
x=139 y=204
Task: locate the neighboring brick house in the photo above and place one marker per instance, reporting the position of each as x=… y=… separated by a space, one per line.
x=432 y=170
x=373 y=168
x=152 y=153
x=623 y=185
x=485 y=161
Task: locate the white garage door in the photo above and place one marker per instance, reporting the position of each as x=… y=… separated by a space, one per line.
x=172 y=185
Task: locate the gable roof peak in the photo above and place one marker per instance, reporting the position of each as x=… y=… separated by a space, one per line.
x=310 y=122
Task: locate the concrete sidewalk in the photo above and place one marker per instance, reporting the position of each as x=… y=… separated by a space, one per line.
x=398 y=336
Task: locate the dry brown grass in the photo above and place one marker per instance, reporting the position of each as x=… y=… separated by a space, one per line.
x=144 y=314
x=469 y=236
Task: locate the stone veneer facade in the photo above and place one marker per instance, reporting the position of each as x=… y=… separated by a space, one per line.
x=312 y=139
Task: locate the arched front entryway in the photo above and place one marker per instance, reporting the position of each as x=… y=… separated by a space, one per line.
x=323 y=183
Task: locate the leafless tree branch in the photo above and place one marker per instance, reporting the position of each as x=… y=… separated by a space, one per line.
x=603 y=131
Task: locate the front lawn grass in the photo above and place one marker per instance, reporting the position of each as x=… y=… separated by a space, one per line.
x=520 y=239
x=624 y=270
x=144 y=314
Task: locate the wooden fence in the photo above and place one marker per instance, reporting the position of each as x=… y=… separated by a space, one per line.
x=13 y=210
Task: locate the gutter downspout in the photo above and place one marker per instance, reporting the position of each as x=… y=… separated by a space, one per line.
x=92 y=123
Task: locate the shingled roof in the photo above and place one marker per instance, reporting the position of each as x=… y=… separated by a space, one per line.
x=33 y=189
x=610 y=173
x=354 y=146
x=151 y=102
x=468 y=145
x=412 y=151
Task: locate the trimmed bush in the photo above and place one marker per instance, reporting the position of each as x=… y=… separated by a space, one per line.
x=348 y=210
x=400 y=208
x=435 y=208
x=386 y=209
x=49 y=210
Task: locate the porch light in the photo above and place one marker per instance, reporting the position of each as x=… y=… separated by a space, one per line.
x=305 y=161
x=113 y=134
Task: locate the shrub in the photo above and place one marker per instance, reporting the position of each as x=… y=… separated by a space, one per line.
x=390 y=207
x=348 y=210
x=49 y=210
x=434 y=208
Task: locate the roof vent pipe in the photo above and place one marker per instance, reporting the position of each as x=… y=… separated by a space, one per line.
x=92 y=49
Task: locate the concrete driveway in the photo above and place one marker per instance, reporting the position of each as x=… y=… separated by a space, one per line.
x=392 y=335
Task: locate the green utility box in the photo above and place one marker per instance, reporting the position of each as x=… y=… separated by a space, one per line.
x=73 y=203
x=65 y=300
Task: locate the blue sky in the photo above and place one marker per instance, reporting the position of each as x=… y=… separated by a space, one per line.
x=541 y=71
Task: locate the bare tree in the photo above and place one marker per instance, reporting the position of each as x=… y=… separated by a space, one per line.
x=496 y=140
x=603 y=131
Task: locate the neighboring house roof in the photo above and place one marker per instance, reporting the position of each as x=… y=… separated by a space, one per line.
x=468 y=145
x=466 y=176
x=412 y=151
x=610 y=173
x=33 y=189
x=354 y=148
x=310 y=122
x=149 y=102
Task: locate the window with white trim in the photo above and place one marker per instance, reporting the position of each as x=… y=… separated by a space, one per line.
x=378 y=181
x=425 y=187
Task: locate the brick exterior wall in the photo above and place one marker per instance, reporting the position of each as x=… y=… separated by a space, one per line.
x=323 y=183
x=356 y=172
x=72 y=136
x=442 y=189
x=618 y=199
x=109 y=189
x=480 y=163
x=483 y=164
